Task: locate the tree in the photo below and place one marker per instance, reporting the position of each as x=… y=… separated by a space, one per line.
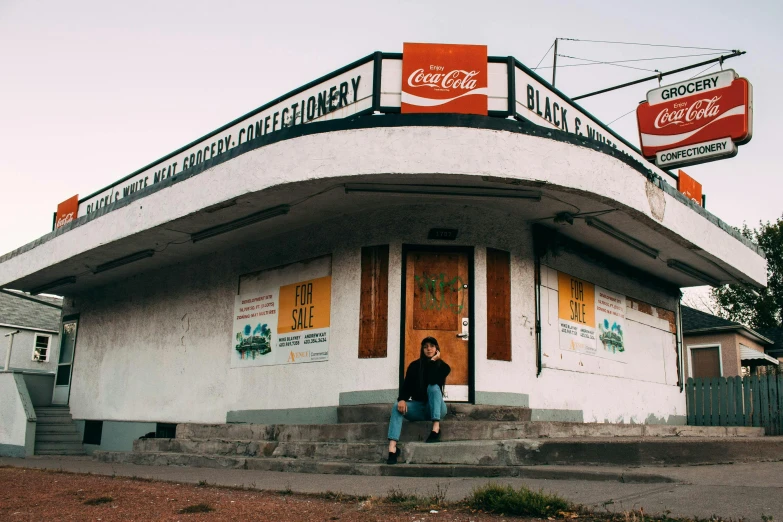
x=757 y=308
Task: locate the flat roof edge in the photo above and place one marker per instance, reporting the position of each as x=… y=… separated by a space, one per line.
x=367 y=121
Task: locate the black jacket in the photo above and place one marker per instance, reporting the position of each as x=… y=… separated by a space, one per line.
x=434 y=373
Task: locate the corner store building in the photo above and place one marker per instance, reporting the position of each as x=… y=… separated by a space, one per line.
x=160 y=270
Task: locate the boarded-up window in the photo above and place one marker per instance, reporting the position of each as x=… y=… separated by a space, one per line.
x=706 y=362
x=498 y=305
x=374 y=304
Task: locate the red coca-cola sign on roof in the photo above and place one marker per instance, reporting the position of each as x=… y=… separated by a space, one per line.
x=713 y=111
x=444 y=78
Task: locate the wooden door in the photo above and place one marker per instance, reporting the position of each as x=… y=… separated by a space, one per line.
x=437 y=304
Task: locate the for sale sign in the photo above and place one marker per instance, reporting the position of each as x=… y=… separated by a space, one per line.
x=696 y=121
x=444 y=78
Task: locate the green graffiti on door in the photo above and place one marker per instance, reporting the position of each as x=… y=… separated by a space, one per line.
x=439 y=292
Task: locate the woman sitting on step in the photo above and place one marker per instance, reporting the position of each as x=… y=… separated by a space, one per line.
x=421 y=395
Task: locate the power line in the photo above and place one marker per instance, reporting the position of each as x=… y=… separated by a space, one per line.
x=703 y=71
x=596 y=62
x=626 y=61
x=621 y=117
x=649 y=45
x=545 y=55
x=660 y=75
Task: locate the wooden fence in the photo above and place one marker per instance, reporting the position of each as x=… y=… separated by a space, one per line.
x=737 y=401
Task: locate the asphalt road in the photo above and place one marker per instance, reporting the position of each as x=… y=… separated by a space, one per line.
x=737 y=491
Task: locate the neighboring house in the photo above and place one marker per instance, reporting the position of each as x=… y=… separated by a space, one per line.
x=717 y=347
x=37 y=319
x=776 y=336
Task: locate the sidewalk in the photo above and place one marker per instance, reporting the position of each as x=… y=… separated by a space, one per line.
x=735 y=491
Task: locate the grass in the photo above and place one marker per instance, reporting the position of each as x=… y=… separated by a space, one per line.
x=505 y=500
x=98 y=501
x=410 y=501
x=197 y=508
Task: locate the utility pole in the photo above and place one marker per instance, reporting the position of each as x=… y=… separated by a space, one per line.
x=554 y=64
x=10 y=347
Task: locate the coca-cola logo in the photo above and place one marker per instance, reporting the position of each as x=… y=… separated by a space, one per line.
x=681 y=114
x=67 y=218
x=440 y=80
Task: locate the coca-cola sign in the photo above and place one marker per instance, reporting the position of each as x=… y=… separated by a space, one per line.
x=444 y=78
x=677 y=117
x=66 y=211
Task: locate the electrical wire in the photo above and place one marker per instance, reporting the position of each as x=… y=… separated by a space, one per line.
x=545 y=55
x=596 y=62
x=648 y=45
x=703 y=71
x=621 y=117
x=626 y=61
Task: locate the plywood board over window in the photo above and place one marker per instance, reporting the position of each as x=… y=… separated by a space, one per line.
x=498 y=305
x=374 y=302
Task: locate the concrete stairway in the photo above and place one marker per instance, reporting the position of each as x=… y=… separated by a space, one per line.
x=56 y=433
x=476 y=441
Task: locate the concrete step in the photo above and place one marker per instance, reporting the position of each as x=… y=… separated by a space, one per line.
x=376 y=469
x=59 y=448
x=452 y=431
x=212 y=447
x=74 y=436
x=52 y=409
x=60 y=427
x=74 y=451
x=616 y=451
x=456 y=412
x=54 y=419
x=619 y=451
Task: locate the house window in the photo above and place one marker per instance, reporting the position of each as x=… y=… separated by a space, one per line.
x=41 y=347
x=705 y=362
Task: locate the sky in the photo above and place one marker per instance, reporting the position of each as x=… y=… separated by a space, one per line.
x=92 y=91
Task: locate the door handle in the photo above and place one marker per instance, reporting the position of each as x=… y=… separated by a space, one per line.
x=463 y=336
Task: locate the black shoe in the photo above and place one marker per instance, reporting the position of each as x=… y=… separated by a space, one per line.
x=434 y=437
x=393 y=457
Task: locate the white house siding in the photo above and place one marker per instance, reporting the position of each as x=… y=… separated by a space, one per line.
x=22 y=351
x=156 y=347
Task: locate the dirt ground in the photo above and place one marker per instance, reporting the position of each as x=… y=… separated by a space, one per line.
x=28 y=494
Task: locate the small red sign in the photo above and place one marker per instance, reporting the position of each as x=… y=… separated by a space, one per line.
x=67 y=211
x=719 y=113
x=689 y=186
x=444 y=78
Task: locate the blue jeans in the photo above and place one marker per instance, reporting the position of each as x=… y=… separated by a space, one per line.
x=418 y=411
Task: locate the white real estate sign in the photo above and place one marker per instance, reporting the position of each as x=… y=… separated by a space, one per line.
x=282 y=315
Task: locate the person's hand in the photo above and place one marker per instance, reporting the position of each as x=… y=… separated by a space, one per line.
x=402 y=407
x=436 y=356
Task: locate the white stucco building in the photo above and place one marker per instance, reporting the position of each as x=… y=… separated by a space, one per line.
x=291 y=261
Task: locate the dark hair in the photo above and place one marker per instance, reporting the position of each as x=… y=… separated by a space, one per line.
x=424 y=359
x=429 y=340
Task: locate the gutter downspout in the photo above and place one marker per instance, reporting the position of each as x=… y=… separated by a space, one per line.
x=680 y=359
x=537 y=300
x=10 y=347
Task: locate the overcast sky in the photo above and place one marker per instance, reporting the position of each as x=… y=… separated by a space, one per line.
x=91 y=91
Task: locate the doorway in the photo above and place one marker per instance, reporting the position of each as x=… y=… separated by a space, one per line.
x=62 y=381
x=437 y=301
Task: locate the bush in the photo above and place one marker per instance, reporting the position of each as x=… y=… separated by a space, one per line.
x=494 y=498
